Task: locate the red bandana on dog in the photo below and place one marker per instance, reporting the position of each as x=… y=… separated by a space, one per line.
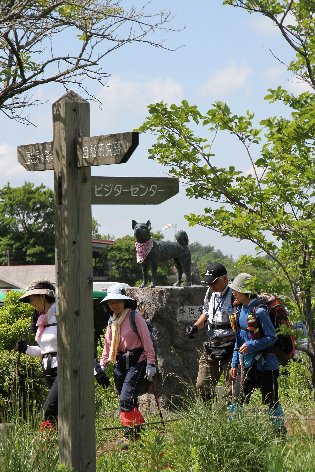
x=143 y=249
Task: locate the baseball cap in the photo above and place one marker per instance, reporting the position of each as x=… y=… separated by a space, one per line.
x=213 y=272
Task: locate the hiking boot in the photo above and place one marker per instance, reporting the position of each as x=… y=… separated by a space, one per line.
x=122 y=443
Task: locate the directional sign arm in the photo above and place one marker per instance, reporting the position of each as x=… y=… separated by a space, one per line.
x=36 y=156
x=133 y=190
x=108 y=149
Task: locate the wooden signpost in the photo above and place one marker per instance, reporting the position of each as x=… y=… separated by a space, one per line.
x=70 y=155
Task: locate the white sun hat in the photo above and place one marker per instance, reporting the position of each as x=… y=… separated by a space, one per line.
x=116 y=292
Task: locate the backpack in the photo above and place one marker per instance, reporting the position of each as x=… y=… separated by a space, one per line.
x=152 y=330
x=284 y=347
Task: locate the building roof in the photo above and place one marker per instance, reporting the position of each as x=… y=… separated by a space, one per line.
x=21 y=276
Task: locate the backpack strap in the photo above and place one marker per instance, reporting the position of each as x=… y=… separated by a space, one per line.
x=132 y=319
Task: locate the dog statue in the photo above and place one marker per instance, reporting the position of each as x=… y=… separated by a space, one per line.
x=152 y=253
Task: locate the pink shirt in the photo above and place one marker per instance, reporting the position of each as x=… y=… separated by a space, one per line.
x=130 y=340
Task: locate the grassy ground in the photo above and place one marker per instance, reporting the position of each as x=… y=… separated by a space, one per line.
x=203 y=438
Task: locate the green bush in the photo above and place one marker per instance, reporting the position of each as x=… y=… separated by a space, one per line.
x=22 y=386
x=15 y=319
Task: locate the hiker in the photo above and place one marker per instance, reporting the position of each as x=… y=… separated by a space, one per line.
x=255 y=336
x=215 y=360
x=133 y=356
x=41 y=295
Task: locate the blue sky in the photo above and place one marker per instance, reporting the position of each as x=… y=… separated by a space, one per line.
x=225 y=55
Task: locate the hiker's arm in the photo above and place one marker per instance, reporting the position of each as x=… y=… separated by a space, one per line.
x=200 y=323
x=146 y=341
x=269 y=336
x=235 y=360
x=233 y=373
x=33 y=351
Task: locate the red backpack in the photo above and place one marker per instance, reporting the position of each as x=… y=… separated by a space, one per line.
x=284 y=347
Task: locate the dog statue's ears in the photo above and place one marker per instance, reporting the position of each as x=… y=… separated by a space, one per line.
x=133 y=223
x=149 y=224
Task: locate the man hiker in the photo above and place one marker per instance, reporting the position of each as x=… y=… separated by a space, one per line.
x=215 y=360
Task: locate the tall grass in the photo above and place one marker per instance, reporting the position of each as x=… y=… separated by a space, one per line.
x=204 y=438
x=23 y=449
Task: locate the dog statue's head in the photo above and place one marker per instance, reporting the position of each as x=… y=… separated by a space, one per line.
x=142 y=231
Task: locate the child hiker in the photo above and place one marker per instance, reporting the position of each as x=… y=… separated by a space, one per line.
x=132 y=354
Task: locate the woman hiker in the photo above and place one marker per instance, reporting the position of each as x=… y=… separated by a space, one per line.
x=254 y=351
x=41 y=295
x=133 y=356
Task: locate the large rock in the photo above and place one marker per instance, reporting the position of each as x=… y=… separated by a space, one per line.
x=171 y=310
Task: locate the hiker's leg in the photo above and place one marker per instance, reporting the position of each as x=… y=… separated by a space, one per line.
x=269 y=389
x=231 y=387
x=129 y=393
x=51 y=403
x=131 y=417
x=208 y=376
x=249 y=384
x=119 y=377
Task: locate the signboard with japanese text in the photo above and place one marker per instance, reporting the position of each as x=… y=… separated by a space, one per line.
x=188 y=313
x=90 y=151
x=36 y=156
x=108 y=149
x=133 y=190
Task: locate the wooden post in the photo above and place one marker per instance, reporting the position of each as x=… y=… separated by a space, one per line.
x=71 y=119
x=71 y=155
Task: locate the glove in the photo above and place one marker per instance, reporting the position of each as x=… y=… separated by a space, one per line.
x=191 y=330
x=150 y=372
x=100 y=375
x=102 y=379
x=21 y=346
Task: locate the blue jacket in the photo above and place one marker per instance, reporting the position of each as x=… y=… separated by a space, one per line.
x=258 y=348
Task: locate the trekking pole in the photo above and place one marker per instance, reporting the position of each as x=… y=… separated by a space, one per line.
x=157 y=402
x=17 y=367
x=17 y=370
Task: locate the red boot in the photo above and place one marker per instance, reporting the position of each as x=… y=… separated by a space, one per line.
x=133 y=422
x=47 y=426
x=131 y=418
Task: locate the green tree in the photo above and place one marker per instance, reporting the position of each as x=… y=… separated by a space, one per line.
x=27 y=225
x=273 y=205
x=32 y=54
x=203 y=255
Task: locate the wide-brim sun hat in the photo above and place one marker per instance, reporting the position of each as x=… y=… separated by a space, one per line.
x=38 y=287
x=240 y=283
x=116 y=292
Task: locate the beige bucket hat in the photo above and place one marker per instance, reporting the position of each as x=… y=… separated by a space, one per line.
x=38 y=287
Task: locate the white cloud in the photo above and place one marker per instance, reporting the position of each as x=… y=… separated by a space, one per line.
x=226 y=81
x=122 y=98
x=9 y=166
x=264 y=25
x=273 y=73
x=13 y=172
x=297 y=86
x=257 y=172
